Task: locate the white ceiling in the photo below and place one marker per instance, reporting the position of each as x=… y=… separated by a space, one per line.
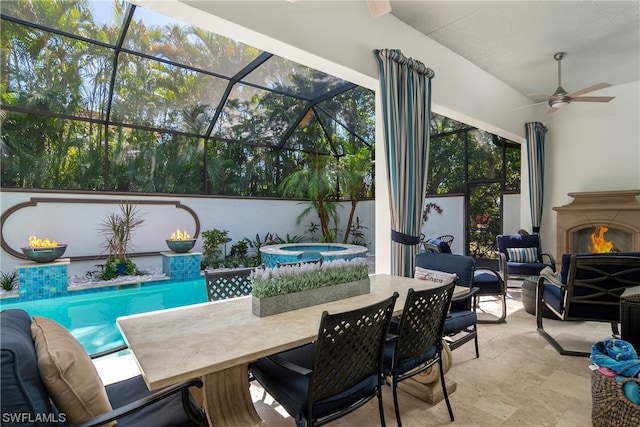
x=515 y=40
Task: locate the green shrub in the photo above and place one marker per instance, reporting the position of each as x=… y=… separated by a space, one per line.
x=287 y=279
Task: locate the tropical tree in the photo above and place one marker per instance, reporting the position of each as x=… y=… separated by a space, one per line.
x=354 y=177
x=316 y=181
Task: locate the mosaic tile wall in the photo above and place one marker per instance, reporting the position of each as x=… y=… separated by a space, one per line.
x=181 y=267
x=42 y=281
x=271 y=260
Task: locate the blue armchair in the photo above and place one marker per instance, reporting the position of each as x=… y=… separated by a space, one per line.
x=461 y=323
x=521 y=255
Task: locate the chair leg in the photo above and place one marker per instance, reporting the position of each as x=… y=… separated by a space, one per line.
x=380 y=407
x=395 y=400
x=555 y=344
x=444 y=389
x=614 y=329
x=503 y=315
x=475 y=341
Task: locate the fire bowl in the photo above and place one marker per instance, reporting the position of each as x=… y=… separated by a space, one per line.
x=44 y=254
x=181 y=246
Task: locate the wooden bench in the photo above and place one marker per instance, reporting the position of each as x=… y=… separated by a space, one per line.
x=588 y=288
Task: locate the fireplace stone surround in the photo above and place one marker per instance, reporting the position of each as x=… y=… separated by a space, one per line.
x=617 y=210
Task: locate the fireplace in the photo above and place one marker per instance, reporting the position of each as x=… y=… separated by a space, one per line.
x=602 y=221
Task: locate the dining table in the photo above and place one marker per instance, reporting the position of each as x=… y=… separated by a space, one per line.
x=216 y=341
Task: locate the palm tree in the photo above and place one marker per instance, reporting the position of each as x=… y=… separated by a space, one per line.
x=354 y=175
x=316 y=181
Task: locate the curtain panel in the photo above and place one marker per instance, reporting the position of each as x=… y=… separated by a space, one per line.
x=535 y=132
x=405 y=89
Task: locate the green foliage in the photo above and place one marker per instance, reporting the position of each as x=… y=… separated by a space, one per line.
x=8 y=281
x=287 y=279
x=357 y=233
x=56 y=91
x=118 y=267
x=212 y=240
x=117 y=229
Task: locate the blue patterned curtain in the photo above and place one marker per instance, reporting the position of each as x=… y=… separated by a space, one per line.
x=405 y=88
x=535 y=132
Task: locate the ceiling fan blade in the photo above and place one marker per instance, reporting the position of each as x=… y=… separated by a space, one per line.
x=552 y=110
x=589 y=89
x=526 y=106
x=379 y=7
x=592 y=99
x=540 y=95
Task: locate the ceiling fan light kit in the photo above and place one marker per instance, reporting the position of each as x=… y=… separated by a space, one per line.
x=561 y=98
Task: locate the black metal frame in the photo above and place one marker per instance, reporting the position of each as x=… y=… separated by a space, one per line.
x=600 y=285
x=421 y=328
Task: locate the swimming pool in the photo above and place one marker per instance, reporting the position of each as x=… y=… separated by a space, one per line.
x=91 y=317
x=271 y=255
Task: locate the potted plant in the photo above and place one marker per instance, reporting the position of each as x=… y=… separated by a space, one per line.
x=117 y=229
x=9 y=281
x=279 y=289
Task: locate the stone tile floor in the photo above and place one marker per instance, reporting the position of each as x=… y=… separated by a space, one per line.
x=519 y=379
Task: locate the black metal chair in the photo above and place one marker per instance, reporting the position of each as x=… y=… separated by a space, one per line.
x=461 y=325
x=325 y=380
x=416 y=345
x=224 y=284
x=26 y=397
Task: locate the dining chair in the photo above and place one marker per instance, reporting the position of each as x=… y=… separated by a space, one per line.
x=47 y=375
x=461 y=324
x=338 y=373
x=416 y=345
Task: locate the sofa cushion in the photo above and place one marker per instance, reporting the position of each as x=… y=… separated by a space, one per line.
x=523 y=254
x=68 y=372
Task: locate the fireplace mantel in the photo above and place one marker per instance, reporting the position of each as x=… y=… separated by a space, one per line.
x=619 y=209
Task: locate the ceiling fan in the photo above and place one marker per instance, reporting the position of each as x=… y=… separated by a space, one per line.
x=561 y=97
x=379 y=7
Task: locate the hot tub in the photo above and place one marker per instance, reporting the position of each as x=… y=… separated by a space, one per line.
x=271 y=255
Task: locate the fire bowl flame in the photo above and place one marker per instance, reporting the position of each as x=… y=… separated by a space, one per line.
x=181 y=246
x=44 y=254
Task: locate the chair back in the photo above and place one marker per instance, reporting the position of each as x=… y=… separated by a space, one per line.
x=440 y=245
x=23 y=392
x=224 y=284
x=349 y=350
x=505 y=241
x=595 y=283
x=422 y=322
x=461 y=265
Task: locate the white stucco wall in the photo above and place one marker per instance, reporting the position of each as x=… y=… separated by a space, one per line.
x=77 y=224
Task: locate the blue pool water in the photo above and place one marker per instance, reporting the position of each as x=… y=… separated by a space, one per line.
x=91 y=317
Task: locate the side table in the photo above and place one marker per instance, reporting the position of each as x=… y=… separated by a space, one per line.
x=528 y=298
x=630 y=316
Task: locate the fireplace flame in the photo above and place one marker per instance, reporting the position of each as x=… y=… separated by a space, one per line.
x=598 y=243
x=37 y=243
x=180 y=235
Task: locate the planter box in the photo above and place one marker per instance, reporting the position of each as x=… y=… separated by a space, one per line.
x=262 y=307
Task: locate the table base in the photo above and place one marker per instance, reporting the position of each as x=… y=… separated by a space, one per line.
x=227 y=400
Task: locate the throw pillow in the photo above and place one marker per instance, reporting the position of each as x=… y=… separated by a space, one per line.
x=523 y=254
x=434 y=276
x=68 y=372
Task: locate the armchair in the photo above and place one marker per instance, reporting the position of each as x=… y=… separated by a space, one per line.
x=587 y=289
x=521 y=255
x=46 y=375
x=325 y=380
